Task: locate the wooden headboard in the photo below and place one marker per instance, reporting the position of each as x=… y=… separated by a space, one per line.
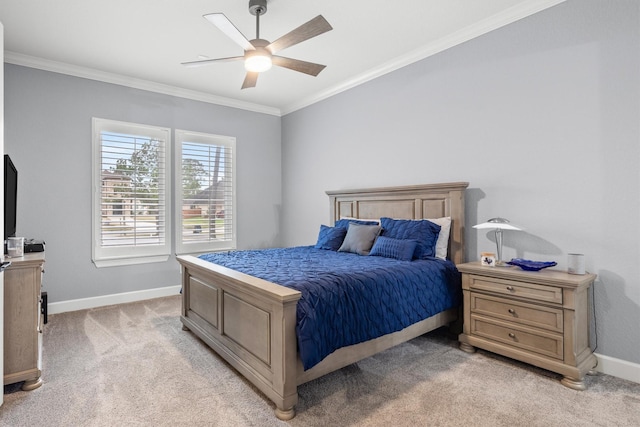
x=407 y=202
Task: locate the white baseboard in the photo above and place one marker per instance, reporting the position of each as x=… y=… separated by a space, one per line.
x=607 y=365
x=618 y=368
x=101 y=301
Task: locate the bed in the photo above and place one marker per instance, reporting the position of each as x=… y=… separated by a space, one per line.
x=251 y=322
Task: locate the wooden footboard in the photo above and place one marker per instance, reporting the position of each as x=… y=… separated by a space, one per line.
x=248 y=321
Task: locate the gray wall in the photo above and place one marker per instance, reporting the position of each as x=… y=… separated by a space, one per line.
x=542 y=118
x=48 y=136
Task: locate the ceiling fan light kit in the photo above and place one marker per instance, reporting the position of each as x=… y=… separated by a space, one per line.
x=259 y=59
x=259 y=54
x=257 y=62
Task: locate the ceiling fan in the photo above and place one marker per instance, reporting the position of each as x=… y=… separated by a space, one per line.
x=259 y=54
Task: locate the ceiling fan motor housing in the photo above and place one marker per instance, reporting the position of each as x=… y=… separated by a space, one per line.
x=257 y=7
x=261 y=49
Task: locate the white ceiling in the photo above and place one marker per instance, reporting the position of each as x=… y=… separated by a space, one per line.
x=141 y=43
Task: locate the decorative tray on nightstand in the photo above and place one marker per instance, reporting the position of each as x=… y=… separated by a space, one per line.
x=529 y=265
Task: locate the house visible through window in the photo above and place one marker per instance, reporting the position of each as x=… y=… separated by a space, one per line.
x=205 y=192
x=131 y=198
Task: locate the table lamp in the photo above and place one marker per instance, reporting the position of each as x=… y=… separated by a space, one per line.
x=498 y=224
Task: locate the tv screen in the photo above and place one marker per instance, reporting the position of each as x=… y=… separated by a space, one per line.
x=10 y=197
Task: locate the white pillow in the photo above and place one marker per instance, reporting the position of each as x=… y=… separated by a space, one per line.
x=361 y=219
x=442 y=244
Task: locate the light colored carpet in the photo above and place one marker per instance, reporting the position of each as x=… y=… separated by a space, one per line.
x=133 y=365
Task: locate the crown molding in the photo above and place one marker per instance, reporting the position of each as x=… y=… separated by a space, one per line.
x=479 y=28
x=494 y=22
x=122 y=80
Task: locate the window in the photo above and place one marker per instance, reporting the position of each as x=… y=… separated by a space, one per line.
x=131 y=198
x=205 y=192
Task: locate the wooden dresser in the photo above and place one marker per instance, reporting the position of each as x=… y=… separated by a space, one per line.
x=538 y=317
x=23 y=321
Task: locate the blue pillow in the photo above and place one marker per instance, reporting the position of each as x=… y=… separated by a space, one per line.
x=424 y=232
x=330 y=238
x=344 y=223
x=394 y=248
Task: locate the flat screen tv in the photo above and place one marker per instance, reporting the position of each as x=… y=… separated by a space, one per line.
x=10 y=197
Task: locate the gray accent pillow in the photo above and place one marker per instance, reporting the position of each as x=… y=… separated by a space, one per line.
x=360 y=238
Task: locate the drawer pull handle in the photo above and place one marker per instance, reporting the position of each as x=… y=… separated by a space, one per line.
x=510 y=288
x=512 y=335
x=512 y=311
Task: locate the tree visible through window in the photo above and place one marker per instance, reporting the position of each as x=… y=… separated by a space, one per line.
x=205 y=195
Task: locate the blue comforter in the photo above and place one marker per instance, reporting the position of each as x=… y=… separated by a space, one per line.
x=348 y=298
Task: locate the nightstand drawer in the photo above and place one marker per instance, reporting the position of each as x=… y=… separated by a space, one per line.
x=529 y=339
x=529 y=291
x=518 y=312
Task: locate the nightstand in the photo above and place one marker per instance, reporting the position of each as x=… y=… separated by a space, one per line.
x=537 y=317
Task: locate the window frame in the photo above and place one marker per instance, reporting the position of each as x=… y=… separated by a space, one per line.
x=108 y=256
x=182 y=136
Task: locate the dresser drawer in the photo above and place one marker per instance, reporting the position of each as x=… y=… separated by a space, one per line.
x=529 y=339
x=518 y=312
x=529 y=291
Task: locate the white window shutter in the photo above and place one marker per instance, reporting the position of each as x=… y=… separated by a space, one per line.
x=205 y=192
x=132 y=195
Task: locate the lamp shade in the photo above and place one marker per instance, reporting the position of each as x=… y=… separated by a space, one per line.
x=500 y=223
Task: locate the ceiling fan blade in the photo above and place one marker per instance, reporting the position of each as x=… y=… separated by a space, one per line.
x=211 y=61
x=298 y=65
x=250 y=80
x=315 y=27
x=224 y=25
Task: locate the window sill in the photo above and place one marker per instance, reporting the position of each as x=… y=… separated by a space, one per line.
x=115 y=262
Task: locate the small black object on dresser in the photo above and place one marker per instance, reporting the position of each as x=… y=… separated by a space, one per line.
x=33 y=245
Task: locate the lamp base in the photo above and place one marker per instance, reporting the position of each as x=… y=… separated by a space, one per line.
x=502 y=264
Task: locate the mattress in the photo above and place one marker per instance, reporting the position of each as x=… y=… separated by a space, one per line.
x=348 y=298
